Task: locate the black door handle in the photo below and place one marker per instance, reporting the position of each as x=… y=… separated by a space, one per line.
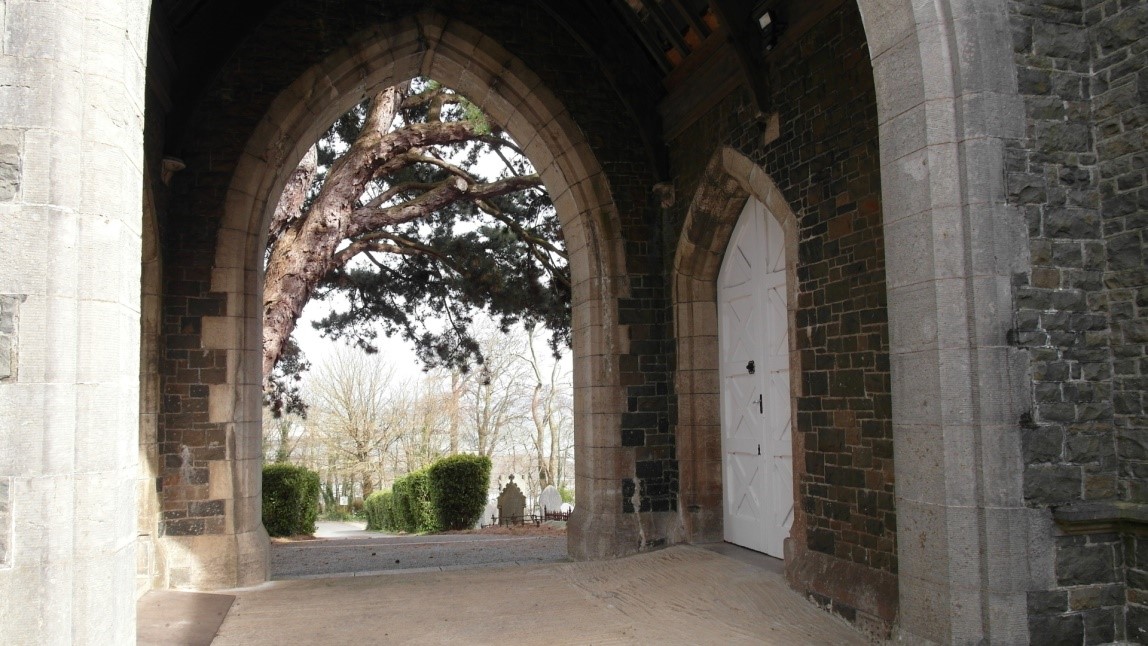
x=749 y=367
x=760 y=406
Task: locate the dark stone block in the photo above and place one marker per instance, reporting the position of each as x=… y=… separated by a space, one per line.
x=1052 y=484
x=183 y=527
x=1136 y=622
x=633 y=437
x=1100 y=625
x=1085 y=565
x=1056 y=630
x=1098 y=596
x=1041 y=444
x=822 y=541
x=1047 y=602
x=648 y=469
x=206 y=508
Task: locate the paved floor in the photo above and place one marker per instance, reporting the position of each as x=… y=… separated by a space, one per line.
x=345 y=549
x=680 y=595
x=173 y=618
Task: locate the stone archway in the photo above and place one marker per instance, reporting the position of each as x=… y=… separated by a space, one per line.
x=730 y=178
x=946 y=103
x=426 y=44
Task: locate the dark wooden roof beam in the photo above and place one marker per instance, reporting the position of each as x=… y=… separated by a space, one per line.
x=694 y=21
x=666 y=27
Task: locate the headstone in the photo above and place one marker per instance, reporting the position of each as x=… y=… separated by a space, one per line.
x=511 y=504
x=550 y=500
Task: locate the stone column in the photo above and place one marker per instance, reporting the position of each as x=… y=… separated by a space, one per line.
x=71 y=131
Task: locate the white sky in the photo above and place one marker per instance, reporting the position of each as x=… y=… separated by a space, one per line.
x=397 y=351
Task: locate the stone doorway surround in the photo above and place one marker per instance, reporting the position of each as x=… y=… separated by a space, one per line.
x=458 y=56
x=947 y=102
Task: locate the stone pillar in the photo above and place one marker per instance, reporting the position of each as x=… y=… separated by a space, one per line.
x=947 y=101
x=71 y=131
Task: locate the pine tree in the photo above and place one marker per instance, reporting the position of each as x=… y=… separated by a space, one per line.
x=420 y=214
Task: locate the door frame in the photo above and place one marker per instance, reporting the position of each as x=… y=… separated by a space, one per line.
x=767 y=340
x=730 y=178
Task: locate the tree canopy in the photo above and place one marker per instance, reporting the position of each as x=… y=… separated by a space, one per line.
x=412 y=214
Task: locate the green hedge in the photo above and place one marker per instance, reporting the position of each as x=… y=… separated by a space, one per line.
x=450 y=494
x=413 y=504
x=378 y=508
x=458 y=486
x=401 y=519
x=290 y=499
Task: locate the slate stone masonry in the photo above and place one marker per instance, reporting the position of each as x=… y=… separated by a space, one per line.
x=1078 y=177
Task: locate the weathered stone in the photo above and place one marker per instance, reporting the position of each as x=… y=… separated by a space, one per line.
x=1056 y=630
x=1086 y=598
x=1071 y=223
x=1060 y=41
x=1085 y=565
x=9 y=171
x=1124 y=29
x=1052 y=483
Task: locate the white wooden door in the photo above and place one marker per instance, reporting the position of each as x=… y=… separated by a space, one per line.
x=753 y=336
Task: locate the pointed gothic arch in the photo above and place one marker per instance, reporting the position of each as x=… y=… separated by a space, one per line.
x=425 y=44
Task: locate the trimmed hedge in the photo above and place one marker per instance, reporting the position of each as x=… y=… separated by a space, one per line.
x=458 y=486
x=449 y=494
x=290 y=499
x=401 y=520
x=418 y=513
x=378 y=508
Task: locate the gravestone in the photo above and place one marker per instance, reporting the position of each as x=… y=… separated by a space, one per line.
x=511 y=504
x=550 y=500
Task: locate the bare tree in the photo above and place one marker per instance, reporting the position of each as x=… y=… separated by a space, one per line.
x=281 y=436
x=497 y=399
x=355 y=414
x=551 y=414
x=425 y=414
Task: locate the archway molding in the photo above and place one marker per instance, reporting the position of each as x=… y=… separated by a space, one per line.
x=947 y=103
x=426 y=44
x=729 y=180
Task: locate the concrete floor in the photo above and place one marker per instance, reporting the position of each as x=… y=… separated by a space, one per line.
x=680 y=595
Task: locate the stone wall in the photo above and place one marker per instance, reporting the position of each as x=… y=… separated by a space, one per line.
x=825 y=162
x=196 y=441
x=1078 y=177
x=71 y=155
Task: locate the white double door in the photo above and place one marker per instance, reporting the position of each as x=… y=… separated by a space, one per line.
x=753 y=336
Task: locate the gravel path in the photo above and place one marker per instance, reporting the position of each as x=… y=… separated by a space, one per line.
x=348 y=551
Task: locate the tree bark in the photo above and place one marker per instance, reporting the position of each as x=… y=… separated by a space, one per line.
x=304 y=251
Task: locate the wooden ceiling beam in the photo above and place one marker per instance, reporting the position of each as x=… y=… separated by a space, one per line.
x=745 y=38
x=694 y=21
x=666 y=27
